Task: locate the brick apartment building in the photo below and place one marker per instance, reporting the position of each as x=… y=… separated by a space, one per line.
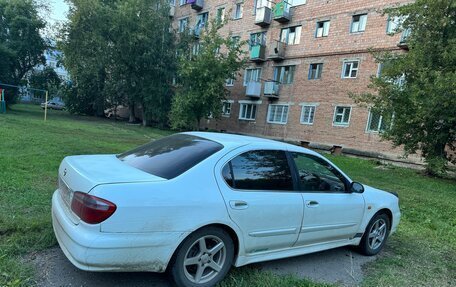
x=305 y=59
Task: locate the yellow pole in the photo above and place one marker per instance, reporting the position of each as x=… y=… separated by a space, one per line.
x=46 y=106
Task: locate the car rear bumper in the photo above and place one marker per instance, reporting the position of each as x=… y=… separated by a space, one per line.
x=89 y=249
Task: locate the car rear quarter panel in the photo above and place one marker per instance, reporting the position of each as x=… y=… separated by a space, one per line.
x=182 y=204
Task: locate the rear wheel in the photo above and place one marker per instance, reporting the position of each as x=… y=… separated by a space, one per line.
x=375 y=236
x=203 y=259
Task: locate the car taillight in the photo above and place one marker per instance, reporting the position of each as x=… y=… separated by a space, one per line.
x=91 y=209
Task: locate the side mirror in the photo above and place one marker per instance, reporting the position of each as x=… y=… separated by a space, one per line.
x=356 y=187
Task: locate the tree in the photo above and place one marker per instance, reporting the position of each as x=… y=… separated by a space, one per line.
x=418 y=87
x=204 y=67
x=46 y=79
x=21 y=45
x=121 y=52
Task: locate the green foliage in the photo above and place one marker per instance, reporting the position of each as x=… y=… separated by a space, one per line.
x=419 y=86
x=204 y=67
x=46 y=79
x=120 y=52
x=21 y=45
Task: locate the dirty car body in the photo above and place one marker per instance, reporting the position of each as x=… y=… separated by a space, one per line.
x=135 y=211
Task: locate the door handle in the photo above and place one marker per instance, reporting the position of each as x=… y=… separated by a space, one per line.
x=312 y=203
x=238 y=204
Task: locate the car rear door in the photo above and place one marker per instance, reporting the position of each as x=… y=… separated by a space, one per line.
x=258 y=190
x=330 y=212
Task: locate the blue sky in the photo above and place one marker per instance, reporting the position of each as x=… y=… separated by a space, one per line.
x=59 y=10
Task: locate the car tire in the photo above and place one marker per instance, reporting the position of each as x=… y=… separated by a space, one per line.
x=203 y=259
x=375 y=236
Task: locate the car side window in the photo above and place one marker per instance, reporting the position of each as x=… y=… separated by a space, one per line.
x=259 y=170
x=315 y=174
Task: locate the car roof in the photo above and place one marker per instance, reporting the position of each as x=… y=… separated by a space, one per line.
x=236 y=140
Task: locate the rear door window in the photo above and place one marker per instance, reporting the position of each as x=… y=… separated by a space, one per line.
x=259 y=170
x=170 y=156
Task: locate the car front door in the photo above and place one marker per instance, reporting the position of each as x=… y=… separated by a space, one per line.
x=259 y=193
x=330 y=212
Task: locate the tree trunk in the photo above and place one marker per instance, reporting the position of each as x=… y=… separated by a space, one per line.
x=198 y=124
x=132 y=117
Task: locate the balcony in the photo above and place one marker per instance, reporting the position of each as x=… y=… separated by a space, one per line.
x=282 y=12
x=172 y=11
x=403 y=41
x=271 y=89
x=253 y=89
x=277 y=51
x=263 y=16
x=257 y=53
x=196 y=4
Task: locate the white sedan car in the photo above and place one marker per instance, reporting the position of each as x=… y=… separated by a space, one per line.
x=194 y=204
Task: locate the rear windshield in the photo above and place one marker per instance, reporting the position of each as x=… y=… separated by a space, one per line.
x=170 y=156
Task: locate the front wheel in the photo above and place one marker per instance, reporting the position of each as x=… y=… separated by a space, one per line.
x=203 y=259
x=375 y=236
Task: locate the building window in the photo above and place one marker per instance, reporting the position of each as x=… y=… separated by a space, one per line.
x=220 y=15
x=350 y=69
x=182 y=2
x=358 y=23
x=238 y=10
x=252 y=75
x=341 y=116
x=308 y=114
x=196 y=48
x=284 y=74
x=247 y=112
x=235 y=40
x=201 y=19
x=315 y=71
x=257 y=4
x=322 y=29
x=392 y=24
x=297 y=2
x=230 y=82
x=172 y=2
x=278 y=114
x=257 y=39
x=226 y=109
x=291 y=35
x=183 y=24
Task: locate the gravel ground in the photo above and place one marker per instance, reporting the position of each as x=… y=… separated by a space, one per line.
x=340 y=266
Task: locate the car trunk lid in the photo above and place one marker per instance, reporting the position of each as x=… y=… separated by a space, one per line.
x=83 y=173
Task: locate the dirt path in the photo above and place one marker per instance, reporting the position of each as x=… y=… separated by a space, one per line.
x=341 y=266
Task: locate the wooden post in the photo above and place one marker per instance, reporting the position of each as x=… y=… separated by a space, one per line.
x=46 y=106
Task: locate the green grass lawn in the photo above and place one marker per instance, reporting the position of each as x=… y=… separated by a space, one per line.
x=421 y=253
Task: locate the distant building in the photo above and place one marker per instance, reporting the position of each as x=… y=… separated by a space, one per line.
x=305 y=58
x=52 y=57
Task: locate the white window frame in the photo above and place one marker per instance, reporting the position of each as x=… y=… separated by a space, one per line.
x=183 y=27
x=350 y=63
x=223 y=15
x=342 y=124
x=253 y=111
x=283 y=115
x=319 y=71
x=229 y=82
x=311 y=118
x=257 y=78
x=297 y=2
x=369 y=120
x=322 y=32
x=182 y=2
x=224 y=110
x=360 y=25
x=393 y=24
x=285 y=35
x=280 y=71
x=238 y=11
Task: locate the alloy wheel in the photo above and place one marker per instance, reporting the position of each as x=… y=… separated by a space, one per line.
x=377 y=234
x=204 y=259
